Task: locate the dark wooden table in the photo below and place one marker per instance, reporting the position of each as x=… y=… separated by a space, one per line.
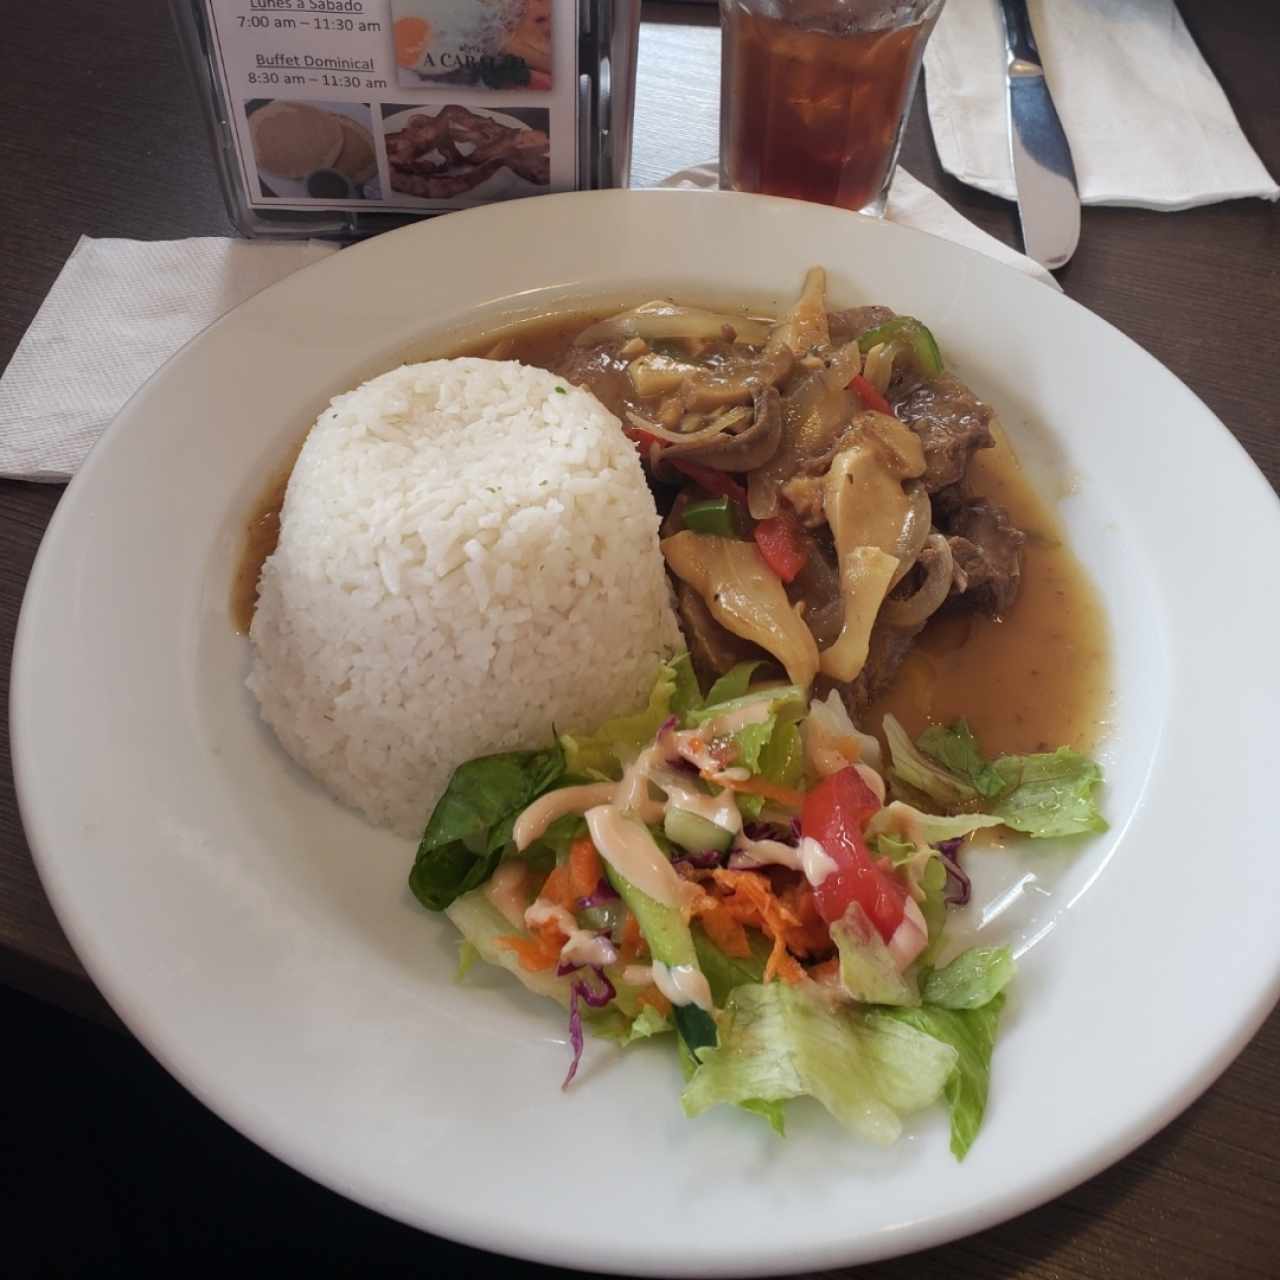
x=103 y=137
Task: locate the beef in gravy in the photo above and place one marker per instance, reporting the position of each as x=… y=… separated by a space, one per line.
x=1018 y=647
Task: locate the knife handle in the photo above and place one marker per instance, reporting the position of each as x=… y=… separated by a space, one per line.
x=1018 y=36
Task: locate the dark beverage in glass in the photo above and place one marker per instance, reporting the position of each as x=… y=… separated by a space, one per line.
x=814 y=95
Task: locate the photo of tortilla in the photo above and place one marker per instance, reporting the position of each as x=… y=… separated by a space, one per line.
x=357 y=160
x=321 y=151
x=293 y=139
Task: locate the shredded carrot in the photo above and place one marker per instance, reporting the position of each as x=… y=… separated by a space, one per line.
x=585 y=867
x=827 y=971
x=810 y=935
x=763 y=787
x=652 y=996
x=783 y=964
x=558 y=889
x=632 y=941
x=727 y=933
x=534 y=954
x=750 y=900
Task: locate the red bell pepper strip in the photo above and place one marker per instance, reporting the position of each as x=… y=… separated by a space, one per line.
x=717 y=483
x=869 y=395
x=834 y=814
x=783 y=544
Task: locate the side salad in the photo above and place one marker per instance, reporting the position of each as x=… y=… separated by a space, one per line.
x=747 y=872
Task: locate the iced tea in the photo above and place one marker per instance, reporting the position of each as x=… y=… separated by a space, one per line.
x=813 y=97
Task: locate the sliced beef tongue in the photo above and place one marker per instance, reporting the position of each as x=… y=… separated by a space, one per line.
x=987 y=550
x=886 y=650
x=951 y=423
x=844 y=326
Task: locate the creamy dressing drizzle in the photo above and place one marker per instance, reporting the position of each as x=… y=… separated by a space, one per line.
x=534 y=821
x=629 y=848
x=633 y=791
x=910 y=937
x=810 y=858
x=732 y=722
x=583 y=946
x=682 y=984
x=721 y=809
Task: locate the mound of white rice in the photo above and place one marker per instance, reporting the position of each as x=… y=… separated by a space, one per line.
x=468 y=556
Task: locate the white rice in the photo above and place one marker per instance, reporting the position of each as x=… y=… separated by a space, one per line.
x=468 y=556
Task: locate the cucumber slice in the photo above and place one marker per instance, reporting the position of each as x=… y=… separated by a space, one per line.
x=693 y=832
x=671 y=943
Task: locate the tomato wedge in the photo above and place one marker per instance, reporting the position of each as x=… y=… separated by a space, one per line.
x=783 y=544
x=834 y=814
x=869 y=395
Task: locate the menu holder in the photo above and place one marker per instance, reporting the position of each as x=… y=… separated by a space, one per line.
x=344 y=118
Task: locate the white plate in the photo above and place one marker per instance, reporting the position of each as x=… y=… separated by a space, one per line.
x=262 y=942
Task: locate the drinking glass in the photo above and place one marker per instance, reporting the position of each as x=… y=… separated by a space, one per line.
x=814 y=95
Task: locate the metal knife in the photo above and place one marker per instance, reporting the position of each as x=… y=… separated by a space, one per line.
x=1048 y=201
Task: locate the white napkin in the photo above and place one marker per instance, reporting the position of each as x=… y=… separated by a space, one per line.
x=117 y=311
x=1147 y=121
x=910 y=203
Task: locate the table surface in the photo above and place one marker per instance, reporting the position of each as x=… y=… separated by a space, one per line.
x=103 y=138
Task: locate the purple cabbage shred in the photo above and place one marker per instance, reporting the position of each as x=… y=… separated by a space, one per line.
x=703 y=861
x=603 y=892
x=580 y=989
x=784 y=833
x=575 y=1036
x=596 y=999
x=959 y=887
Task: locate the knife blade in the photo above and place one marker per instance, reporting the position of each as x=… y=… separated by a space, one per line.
x=1043 y=172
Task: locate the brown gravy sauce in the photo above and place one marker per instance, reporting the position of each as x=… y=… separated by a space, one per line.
x=1038 y=678
x=1034 y=680
x=260 y=537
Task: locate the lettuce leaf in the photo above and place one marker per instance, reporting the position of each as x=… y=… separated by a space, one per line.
x=921 y=774
x=615 y=1024
x=898 y=849
x=906 y=1063
x=972 y=1034
x=724 y=972
x=956 y=748
x=786 y=701
x=867 y=971
x=751 y=740
x=470 y=829
x=780 y=1041
x=1052 y=794
x=933 y=880
x=971 y=980
x=782 y=760
x=604 y=753
x=685 y=694
x=774 y=1112
x=733 y=684
x=901 y=819
x=1044 y=794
